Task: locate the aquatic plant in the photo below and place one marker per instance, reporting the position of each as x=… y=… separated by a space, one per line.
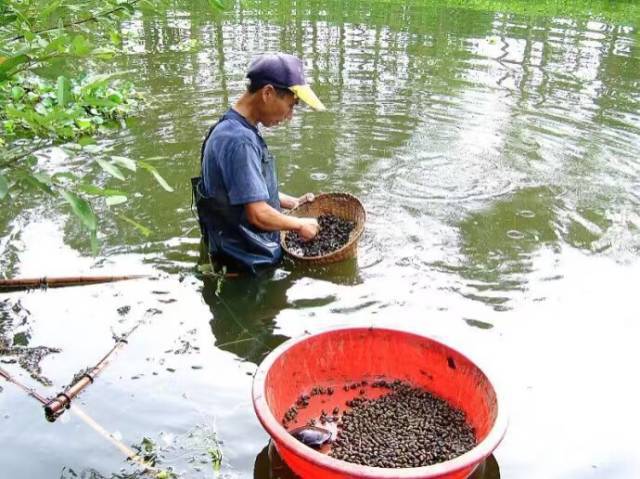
x=49 y=97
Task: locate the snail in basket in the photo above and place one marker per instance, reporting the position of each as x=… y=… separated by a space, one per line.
x=333 y=235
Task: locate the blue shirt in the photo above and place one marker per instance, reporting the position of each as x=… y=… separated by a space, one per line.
x=237 y=169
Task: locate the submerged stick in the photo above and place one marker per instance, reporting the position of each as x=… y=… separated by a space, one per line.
x=26 y=389
x=19 y=284
x=127 y=451
x=55 y=407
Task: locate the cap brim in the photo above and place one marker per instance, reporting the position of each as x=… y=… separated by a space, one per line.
x=306 y=94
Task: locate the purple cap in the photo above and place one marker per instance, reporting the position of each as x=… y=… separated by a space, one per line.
x=283 y=71
x=278 y=69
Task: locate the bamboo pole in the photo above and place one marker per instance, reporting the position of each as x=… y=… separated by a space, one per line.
x=56 y=406
x=127 y=451
x=5 y=374
x=19 y=284
x=89 y=421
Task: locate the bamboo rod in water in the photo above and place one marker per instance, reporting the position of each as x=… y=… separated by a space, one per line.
x=127 y=451
x=88 y=420
x=29 y=391
x=54 y=408
x=18 y=284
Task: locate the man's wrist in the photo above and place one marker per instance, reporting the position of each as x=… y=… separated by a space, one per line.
x=299 y=225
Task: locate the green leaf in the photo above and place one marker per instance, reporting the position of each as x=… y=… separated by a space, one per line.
x=215 y=453
x=83 y=123
x=95 y=244
x=129 y=7
x=42 y=178
x=63 y=90
x=81 y=46
x=115 y=200
x=204 y=268
x=97 y=81
x=112 y=169
x=143 y=229
x=17 y=93
x=115 y=37
x=216 y=4
x=94 y=190
x=7 y=65
x=32 y=180
x=125 y=162
x=100 y=102
x=82 y=209
x=4 y=187
x=50 y=8
x=104 y=53
x=91 y=148
x=58 y=44
x=6 y=19
x=151 y=169
x=63 y=174
x=86 y=140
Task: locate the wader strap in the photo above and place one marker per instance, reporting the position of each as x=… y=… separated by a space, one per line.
x=204 y=143
x=195 y=181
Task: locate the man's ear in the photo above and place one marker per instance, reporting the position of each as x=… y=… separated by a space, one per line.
x=267 y=93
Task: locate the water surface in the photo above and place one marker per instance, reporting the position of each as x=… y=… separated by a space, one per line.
x=496 y=147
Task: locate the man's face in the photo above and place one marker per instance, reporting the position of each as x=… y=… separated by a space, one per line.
x=278 y=105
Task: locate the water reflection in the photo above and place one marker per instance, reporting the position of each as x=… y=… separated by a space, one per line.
x=245 y=311
x=269 y=465
x=246 y=327
x=488 y=141
x=499 y=243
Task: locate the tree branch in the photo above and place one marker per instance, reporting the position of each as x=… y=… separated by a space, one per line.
x=92 y=18
x=8 y=161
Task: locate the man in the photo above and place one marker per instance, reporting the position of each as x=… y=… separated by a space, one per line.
x=237 y=197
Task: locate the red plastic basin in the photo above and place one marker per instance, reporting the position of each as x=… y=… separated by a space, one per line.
x=341 y=356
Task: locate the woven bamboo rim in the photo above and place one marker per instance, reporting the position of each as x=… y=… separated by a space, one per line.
x=342 y=205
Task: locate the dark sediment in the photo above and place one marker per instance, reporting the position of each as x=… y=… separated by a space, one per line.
x=409 y=427
x=333 y=235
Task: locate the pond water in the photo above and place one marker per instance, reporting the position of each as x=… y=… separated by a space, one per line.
x=496 y=148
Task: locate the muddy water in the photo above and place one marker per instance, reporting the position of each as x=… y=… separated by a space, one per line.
x=496 y=148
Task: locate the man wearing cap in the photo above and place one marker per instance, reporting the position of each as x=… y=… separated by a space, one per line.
x=237 y=197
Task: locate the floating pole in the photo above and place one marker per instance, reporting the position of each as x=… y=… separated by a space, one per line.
x=19 y=284
x=89 y=421
x=56 y=406
x=127 y=451
x=29 y=391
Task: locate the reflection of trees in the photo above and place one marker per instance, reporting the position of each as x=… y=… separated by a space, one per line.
x=383 y=67
x=375 y=65
x=378 y=64
x=570 y=112
x=15 y=336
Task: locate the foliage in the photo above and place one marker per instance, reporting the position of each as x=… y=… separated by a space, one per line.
x=147 y=451
x=621 y=11
x=65 y=109
x=209 y=270
x=48 y=97
x=215 y=453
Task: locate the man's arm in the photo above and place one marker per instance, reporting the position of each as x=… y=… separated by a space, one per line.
x=264 y=217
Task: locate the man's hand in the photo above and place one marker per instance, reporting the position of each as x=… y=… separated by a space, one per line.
x=291 y=202
x=308 y=228
x=306 y=198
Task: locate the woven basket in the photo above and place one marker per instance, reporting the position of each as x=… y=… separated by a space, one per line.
x=342 y=205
